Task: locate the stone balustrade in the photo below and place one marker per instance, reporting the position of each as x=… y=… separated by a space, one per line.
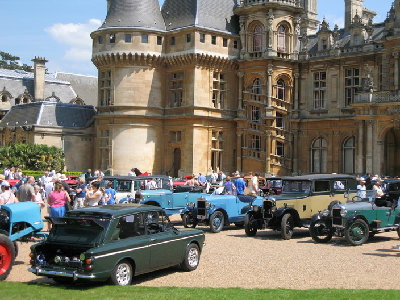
x=377 y=97
x=295 y=3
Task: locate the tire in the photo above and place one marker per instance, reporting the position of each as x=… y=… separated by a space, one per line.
x=287 y=225
x=188 y=221
x=320 y=233
x=7 y=255
x=217 y=220
x=398 y=231
x=357 y=233
x=122 y=274
x=192 y=258
x=16 y=249
x=250 y=226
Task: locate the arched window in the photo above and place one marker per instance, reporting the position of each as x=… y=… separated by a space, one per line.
x=258 y=38
x=319 y=154
x=256 y=90
x=4 y=98
x=281 y=89
x=282 y=39
x=349 y=152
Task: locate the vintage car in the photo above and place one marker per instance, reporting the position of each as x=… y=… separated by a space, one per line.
x=301 y=198
x=218 y=211
x=357 y=219
x=18 y=222
x=172 y=199
x=114 y=243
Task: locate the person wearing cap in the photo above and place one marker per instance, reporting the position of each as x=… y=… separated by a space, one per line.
x=7 y=196
x=362 y=189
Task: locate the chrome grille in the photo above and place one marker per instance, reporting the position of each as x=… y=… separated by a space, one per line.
x=201 y=208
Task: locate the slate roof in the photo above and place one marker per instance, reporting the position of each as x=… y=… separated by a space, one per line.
x=344 y=39
x=212 y=14
x=16 y=82
x=84 y=86
x=49 y=114
x=134 y=13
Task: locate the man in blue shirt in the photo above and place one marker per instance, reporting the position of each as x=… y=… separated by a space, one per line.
x=240 y=185
x=80 y=194
x=202 y=179
x=110 y=192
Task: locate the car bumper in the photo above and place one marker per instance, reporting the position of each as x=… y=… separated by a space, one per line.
x=67 y=274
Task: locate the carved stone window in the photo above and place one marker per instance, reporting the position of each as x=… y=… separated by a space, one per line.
x=258 y=38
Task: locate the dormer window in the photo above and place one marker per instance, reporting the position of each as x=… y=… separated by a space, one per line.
x=112 y=38
x=324 y=43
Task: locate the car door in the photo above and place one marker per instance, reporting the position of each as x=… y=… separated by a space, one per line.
x=162 y=240
x=322 y=195
x=130 y=239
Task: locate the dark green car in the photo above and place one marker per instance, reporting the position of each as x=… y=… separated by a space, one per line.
x=114 y=243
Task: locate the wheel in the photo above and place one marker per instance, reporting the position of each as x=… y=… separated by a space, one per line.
x=287 y=225
x=398 y=231
x=122 y=273
x=188 y=221
x=320 y=233
x=239 y=224
x=217 y=221
x=250 y=225
x=7 y=256
x=192 y=258
x=357 y=233
x=16 y=249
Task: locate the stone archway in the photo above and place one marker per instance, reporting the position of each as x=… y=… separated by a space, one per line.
x=392 y=152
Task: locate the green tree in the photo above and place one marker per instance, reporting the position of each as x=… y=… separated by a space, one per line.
x=32 y=157
x=9 y=61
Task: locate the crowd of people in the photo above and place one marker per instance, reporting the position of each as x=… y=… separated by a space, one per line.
x=53 y=194
x=223 y=184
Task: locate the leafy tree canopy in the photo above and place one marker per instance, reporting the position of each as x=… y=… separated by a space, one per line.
x=11 y=62
x=32 y=157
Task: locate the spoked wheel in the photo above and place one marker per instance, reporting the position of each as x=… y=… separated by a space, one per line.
x=192 y=258
x=287 y=225
x=321 y=233
x=188 y=221
x=217 y=221
x=7 y=256
x=357 y=233
x=122 y=273
x=250 y=225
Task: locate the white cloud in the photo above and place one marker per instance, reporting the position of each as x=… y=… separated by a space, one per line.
x=76 y=37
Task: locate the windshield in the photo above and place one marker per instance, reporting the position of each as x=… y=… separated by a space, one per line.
x=276 y=183
x=360 y=195
x=79 y=231
x=296 y=187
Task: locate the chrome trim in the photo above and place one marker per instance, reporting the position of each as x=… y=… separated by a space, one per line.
x=38 y=271
x=147 y=246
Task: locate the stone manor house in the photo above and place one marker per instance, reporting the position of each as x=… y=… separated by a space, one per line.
x=249 y=85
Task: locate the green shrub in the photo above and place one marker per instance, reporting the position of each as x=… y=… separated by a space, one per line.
x=32 y=157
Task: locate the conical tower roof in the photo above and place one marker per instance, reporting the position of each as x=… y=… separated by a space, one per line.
x=134 y=13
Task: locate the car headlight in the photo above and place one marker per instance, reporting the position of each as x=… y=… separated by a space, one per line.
x=256 y=208
x=191 y=204
x=343 y=212
x=325 y=212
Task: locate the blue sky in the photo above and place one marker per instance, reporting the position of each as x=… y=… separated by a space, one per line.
x=59 y=30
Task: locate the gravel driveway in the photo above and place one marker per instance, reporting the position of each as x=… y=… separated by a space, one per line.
x=231 y=259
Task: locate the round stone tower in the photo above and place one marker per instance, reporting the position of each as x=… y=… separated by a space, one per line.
x=127 y=51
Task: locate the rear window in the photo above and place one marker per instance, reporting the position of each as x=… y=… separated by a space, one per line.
x=322 y=186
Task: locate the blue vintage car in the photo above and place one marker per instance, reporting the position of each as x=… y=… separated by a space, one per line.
x=218 y=211
x=133 y=190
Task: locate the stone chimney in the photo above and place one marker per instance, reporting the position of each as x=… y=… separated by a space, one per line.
x=39 y=72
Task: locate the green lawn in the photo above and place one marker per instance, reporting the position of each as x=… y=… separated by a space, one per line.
x=12 y=290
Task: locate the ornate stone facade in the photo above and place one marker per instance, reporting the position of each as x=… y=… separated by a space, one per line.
x=257 y=86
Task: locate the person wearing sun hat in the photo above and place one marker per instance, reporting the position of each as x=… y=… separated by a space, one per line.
x=7 y=196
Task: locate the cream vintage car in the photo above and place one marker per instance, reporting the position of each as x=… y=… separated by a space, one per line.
x=301 y=198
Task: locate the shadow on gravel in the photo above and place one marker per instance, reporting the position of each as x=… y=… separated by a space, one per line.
x=86 y=285
x=341 y=241
x=274 y=235
x=395 y=252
